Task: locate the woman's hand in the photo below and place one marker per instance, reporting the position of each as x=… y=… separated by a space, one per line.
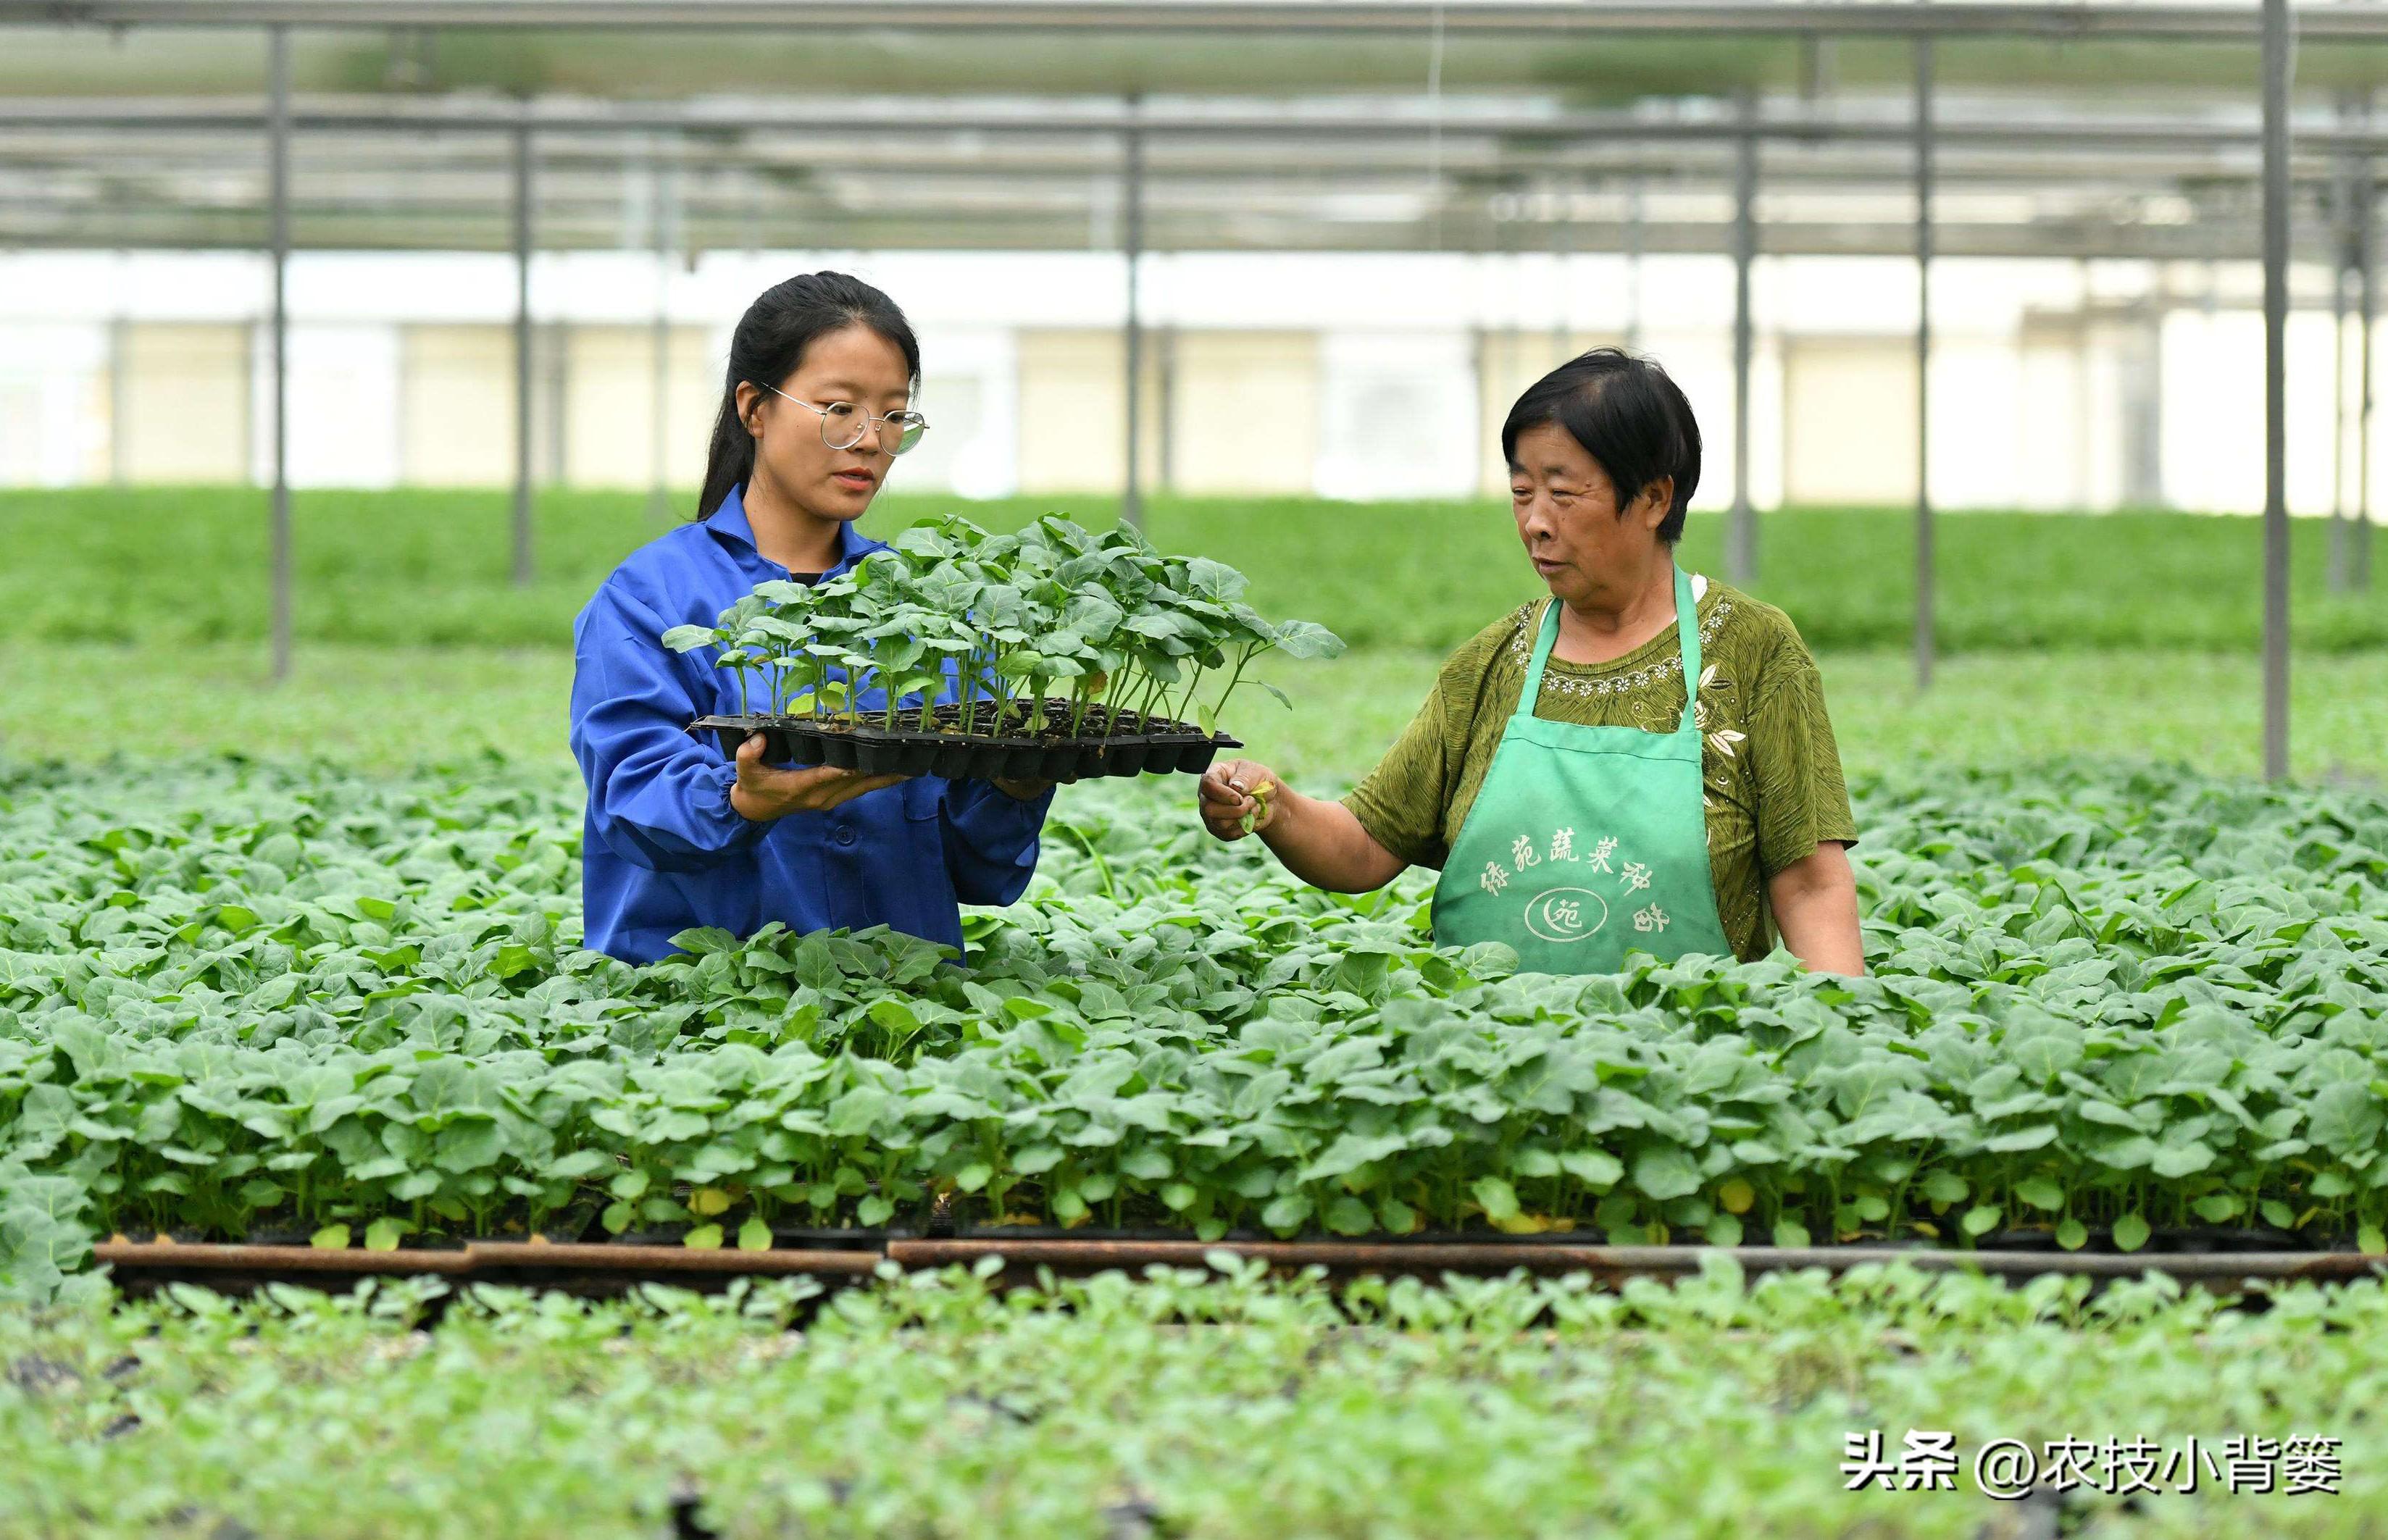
x=1321 y=842
x=763 y=793
x=1023 y=791
x=1233 y=790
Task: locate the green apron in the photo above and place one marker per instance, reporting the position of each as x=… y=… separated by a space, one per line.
x=1585 y=841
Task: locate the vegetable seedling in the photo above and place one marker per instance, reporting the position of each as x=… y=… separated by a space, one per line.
x=1260 y=795
x=996 y=626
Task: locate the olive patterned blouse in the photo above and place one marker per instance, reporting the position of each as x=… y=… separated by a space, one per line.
x=1772 y=772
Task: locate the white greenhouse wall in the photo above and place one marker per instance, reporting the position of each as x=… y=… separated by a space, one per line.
x=2055 y=383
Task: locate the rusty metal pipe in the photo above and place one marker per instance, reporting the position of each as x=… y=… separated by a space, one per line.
x=270 y=1259
x=1617 y=1263
x=1610 y=1265
x=481 y=1256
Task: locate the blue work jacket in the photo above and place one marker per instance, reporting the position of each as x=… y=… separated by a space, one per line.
x=662 y=851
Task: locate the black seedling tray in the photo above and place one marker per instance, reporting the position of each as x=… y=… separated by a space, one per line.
x=1142 y=747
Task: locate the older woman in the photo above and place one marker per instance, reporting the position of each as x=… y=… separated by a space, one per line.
x=1580 y=801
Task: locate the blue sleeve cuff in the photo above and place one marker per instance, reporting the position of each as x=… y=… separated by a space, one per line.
x=713 y=803
x=992 y=818
x=991 y=840
x=703 y=831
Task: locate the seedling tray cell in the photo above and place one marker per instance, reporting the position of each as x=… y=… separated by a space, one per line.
x=780 y=747
x=905 y=750
x=1128 y=756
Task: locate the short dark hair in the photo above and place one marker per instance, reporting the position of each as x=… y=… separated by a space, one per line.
x=1628 y=415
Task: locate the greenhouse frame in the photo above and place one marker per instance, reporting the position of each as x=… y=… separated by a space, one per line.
x=1864 y=129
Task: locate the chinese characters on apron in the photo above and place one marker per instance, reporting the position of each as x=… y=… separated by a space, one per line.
x=1586 y=841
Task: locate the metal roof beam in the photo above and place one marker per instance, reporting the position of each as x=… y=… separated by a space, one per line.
x=1095 y=116
x=2356 y=22
x=484 y=228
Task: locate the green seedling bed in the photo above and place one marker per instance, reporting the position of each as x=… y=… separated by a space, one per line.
x=1121 y=743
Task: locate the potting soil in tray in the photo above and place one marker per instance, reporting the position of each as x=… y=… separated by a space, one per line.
x=1124 y=744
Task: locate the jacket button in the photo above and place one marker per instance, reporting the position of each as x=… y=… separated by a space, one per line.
x=843 y=834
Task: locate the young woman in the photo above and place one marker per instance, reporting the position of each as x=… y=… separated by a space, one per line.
x=816 y=407
x=1642 y=761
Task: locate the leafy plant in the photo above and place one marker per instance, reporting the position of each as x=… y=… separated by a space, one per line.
x=1274 y=1409
x=2103 y=1007
x=1124 y=633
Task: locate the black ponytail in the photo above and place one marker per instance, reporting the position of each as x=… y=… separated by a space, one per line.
x=768 y=344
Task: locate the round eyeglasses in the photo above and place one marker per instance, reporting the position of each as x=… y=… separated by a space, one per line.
x=843 y=424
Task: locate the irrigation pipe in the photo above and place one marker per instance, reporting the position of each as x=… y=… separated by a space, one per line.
x=611 y=1266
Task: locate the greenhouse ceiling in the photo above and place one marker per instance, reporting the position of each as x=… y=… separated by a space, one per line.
x=1587 y=51
x=2097 y=130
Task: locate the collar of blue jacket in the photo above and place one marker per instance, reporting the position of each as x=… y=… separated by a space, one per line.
x=662 y=851
x=734 y=529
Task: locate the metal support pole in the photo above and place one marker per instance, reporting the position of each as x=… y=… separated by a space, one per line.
x=659 y=450
x=278 y=64
x=1513 y=346
x=2368 y=292
x=1164 y=467
x=2275 y=315
x=554 y=444
x=2085 y=384
x=1634 y=265
x=1562 y=328
x=119 y=395
x=1131 y=494
x=1479 y=370
x=2341 y=272
x=521 y=531
x=1741 y=527
x=1814 y=68
x=1925 y=591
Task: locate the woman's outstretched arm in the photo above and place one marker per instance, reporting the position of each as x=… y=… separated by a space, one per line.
x=1319 y=841
x=1815 y=903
